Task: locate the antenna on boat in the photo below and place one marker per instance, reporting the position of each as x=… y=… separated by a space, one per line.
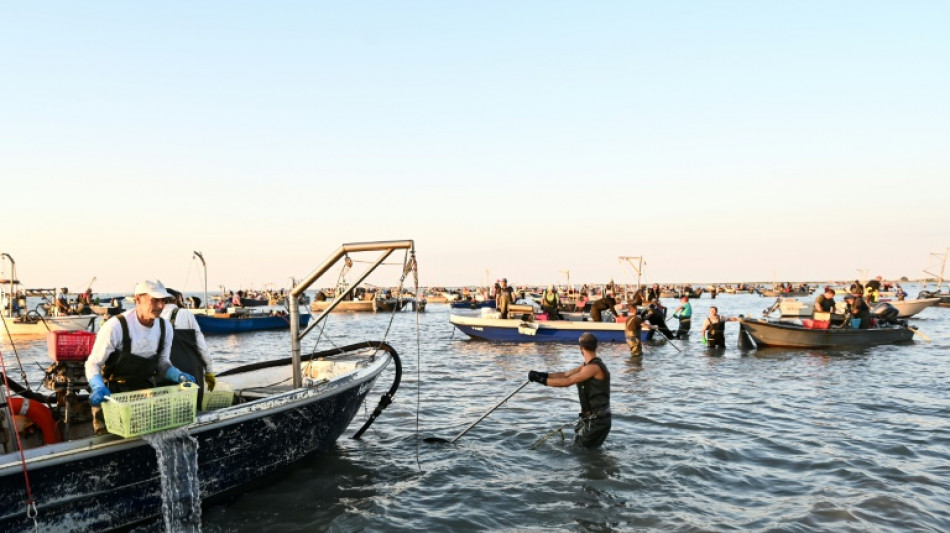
x=936 y=258
x=204 y=268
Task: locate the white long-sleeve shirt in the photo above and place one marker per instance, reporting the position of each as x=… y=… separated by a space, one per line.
x=186 y=320
x=144 y=343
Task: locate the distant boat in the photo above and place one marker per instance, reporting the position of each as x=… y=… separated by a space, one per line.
x=242 y=322
x=791 y=307
x=517 y=330
x=34 y=322
x=474 y=304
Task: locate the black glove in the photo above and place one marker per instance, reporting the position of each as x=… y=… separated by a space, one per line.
x=538 y=377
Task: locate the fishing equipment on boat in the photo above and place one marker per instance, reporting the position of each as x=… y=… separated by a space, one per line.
x=483 y=417
x=38 y=415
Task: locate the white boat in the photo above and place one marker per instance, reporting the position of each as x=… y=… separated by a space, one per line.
x=790 y=307
x=26 y=322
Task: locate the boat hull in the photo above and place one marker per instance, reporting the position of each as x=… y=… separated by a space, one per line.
x=211 y=324
x=512 y=330
x=473 y=305
x=56 y=323
x=766 y=334
x=105 y=483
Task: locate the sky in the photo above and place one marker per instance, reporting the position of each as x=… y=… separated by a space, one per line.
x=721 y=141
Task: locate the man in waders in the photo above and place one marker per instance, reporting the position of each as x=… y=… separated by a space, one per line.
x=632 y=329
x=684 y=313
x=714 y=328
x=130 y=350
x=189 y=350
x=593 y=387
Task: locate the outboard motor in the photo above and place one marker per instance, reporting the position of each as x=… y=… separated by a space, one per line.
x=885 y=313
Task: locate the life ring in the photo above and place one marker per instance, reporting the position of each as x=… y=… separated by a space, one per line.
x=40 y=415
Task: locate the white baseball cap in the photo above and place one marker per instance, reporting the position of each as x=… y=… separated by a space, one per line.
x=155 y=289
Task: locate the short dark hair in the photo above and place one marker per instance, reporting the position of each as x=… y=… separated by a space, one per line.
x=588 y=341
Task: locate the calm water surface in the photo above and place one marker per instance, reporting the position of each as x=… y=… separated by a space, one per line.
x=774 y=440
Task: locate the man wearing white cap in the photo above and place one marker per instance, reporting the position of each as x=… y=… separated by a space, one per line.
x=132 y=349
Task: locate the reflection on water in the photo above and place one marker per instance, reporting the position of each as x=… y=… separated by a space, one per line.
x=785 y=440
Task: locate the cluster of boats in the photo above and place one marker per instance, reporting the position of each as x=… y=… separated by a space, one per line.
x=797 y=327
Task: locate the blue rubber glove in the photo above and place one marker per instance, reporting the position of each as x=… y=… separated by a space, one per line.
x=177 y=376
x=99 y=390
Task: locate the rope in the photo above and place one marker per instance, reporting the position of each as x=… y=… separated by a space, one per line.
x=31 y=511
x=15 y=353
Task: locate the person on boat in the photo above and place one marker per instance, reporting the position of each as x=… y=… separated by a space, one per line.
x=504 y=298
x=860 y=311
x=581 y=302
x=872 y=290
x=857 y=288
x=654 y=317
x=132 y=349
x=825 y=302
x=236 y=299
x=189 y=351
x=653 y=294
x=550 y=303
x=62 y=302
x=900 y=292
x=593 y=388
x=684 y=313
x=714 y=328
x=632 y=329
x=607 y=303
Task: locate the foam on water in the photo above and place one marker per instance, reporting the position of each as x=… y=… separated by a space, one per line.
x=177 y=454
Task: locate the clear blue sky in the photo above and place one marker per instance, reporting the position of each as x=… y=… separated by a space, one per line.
x=726 y=140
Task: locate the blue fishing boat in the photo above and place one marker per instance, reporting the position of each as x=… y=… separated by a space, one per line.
x=247 y=321
x=281 y=412
x=466 y=304
x=519 y=330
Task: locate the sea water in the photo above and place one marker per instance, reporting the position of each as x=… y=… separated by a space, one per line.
x=772 y=440
x=177 y=454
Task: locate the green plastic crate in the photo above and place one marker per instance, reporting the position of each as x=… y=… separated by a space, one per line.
x=130 y=414
x=222 y=396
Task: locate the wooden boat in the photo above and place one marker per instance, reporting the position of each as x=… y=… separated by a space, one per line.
x=778 y=293
x=284 y=411
x=360 y=306
x=791 y=335
x=241 y=320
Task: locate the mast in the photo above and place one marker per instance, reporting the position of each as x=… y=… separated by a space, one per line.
x=13 y=281
x=204 y=268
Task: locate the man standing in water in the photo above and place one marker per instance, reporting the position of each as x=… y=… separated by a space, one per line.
x=714 y=328
x=593 y=388
x=684 y=313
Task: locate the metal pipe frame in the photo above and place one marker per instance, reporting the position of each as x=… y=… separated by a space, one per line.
x=387 y=247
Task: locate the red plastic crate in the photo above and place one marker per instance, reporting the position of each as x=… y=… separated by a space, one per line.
x=69 y=345
x=815 y=324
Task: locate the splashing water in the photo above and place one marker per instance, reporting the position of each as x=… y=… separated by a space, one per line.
x=177 y=454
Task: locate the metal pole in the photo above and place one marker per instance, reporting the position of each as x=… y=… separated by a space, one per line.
x=204 y=268
x=295 y=335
